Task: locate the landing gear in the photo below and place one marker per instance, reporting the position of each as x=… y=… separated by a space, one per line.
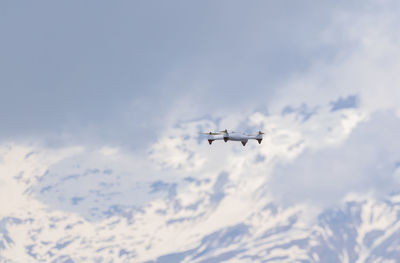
x=244 y=143
x=259 y=141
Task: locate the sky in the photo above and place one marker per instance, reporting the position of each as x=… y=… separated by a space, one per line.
x=105 y=101
x=127 y=74
x=99 y=71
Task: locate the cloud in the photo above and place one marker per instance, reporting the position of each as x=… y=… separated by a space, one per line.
x=143 y=65
x=365 y=65
x=363 y=75
x=364 y=162
x=189 y=191
x=331 y=132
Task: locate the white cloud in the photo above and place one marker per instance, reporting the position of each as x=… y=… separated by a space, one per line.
x=181 y=192
x=166 y=200
x=366 y=161
x=366 y=63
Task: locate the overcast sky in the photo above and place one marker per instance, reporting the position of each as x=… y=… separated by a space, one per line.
x=128 y=73
x=102 y=102
x=99 y=70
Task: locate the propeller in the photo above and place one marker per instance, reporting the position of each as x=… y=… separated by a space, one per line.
x=259 y=133
x=211 y=133
x=215 y=133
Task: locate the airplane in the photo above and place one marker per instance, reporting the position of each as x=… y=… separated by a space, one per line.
x=233 y=136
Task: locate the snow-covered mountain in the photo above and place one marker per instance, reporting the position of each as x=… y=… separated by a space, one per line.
x=313 y=191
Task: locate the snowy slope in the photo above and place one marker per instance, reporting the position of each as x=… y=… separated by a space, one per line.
x=184 y=201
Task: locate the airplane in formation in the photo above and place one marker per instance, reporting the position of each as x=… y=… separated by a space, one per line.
x=233 y=136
